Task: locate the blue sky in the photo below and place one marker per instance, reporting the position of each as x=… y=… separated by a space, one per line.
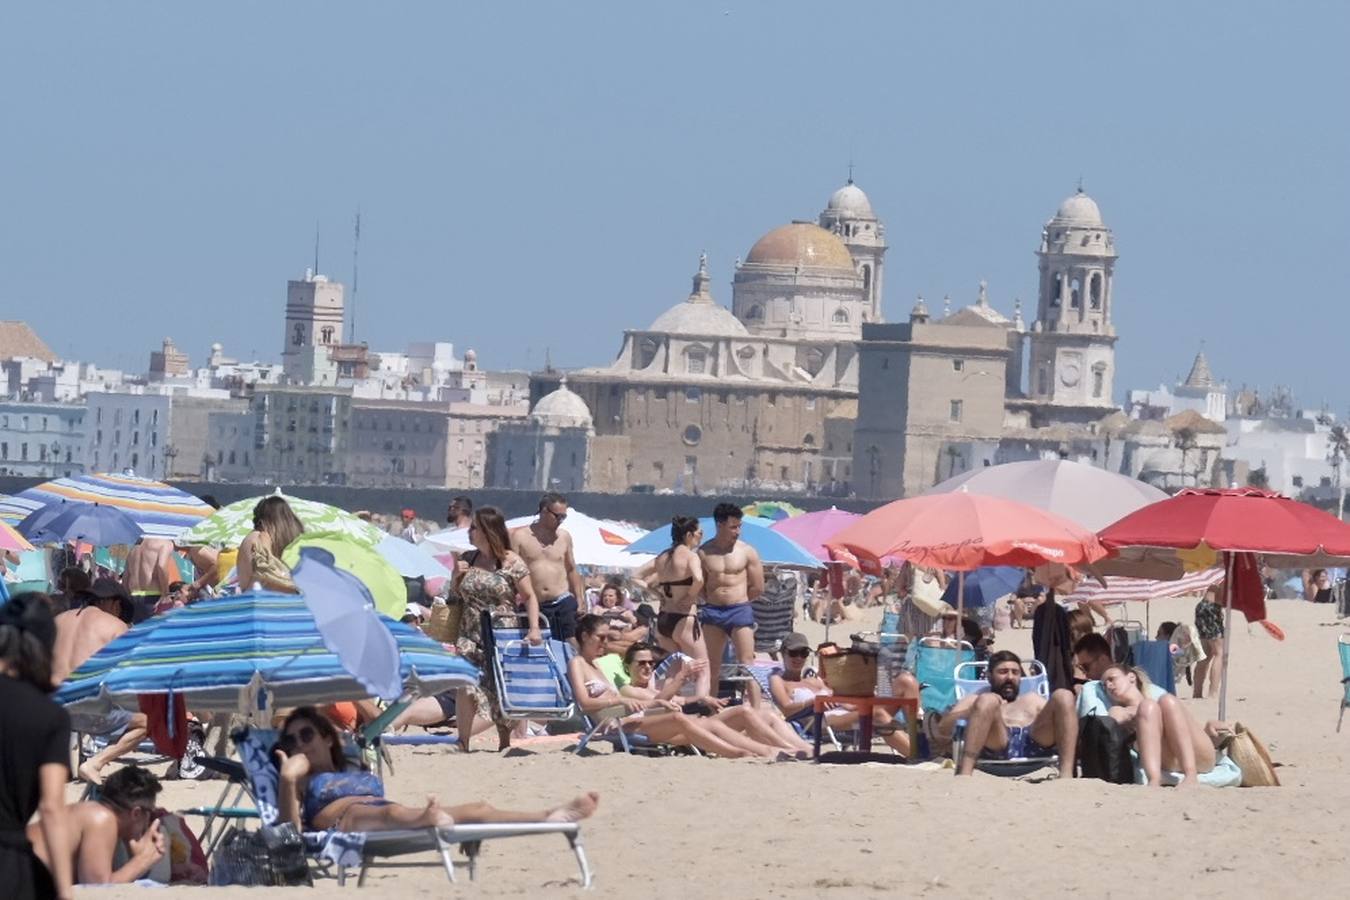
x=544 y=175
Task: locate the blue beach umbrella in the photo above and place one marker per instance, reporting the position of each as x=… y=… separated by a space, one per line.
x=160 y=509
x=774 y=549
x=984 y=586
x=220 y=652
x=92 y=523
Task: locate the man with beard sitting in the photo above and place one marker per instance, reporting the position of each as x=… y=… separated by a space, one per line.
x=1003 y=723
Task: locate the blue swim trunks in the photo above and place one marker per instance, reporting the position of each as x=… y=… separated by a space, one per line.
x=728 y=617
x=1020 y=746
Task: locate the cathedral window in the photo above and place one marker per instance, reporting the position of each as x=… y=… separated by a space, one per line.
x=696 y=361
x=1095 y=291
x=1076 y=294
x=692 y=395
x=1098 y=380
x=755 y=313
x=692 y=435
x=841 y=315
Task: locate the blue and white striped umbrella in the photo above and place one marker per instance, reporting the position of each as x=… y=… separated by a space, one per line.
x=160 y=510
x=774 y=549
x=219 y=653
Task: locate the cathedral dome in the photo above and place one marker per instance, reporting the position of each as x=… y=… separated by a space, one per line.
x=851 y=202
x=1080 y=209
x=693 y=317
x=801 y=244
x=562 y=408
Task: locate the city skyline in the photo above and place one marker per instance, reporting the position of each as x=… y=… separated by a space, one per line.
x=577 y=167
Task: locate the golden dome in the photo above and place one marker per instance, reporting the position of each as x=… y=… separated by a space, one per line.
x=801 y=244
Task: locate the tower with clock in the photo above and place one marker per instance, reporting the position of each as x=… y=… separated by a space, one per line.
x=1072 y=343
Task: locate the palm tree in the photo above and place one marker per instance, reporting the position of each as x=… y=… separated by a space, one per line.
x=1338 y=448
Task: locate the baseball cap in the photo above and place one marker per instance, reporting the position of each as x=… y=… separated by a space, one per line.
x=112 y=589
x=796 y=641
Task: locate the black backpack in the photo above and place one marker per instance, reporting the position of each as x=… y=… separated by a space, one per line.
x=1104 y=750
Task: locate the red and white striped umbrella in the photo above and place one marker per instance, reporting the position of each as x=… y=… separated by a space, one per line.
x=1119 y=589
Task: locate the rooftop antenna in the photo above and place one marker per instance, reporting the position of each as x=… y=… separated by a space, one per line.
x=850 y=170
x=316 y=248
x=1080 y=184
x=356 y=257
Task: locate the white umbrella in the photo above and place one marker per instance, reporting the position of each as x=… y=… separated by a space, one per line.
x=411 y=560
x=598 y=543
x=1087 y=495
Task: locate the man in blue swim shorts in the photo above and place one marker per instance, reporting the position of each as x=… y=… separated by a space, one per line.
x=1004 y=723
x=546 y=548
x=732 y=576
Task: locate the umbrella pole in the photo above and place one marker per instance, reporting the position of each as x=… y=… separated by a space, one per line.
x=1227 y=637
x=960 y=605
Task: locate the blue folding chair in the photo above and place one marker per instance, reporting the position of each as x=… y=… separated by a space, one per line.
x=531 y=679
x=935 y=662
x=1155 y=658
x=1344 y=646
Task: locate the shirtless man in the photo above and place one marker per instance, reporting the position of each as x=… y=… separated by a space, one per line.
x=547 y=551
x=124 y=813
x=1003 y=723
x=732 y=576
x=150 y=570
x=80 y=633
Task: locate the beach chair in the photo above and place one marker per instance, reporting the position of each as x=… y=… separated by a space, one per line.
x=935 y=662
x=602 y=726
x=1155 y=658
x=970 y=678
x=531 y=679
x=343 y=850
x=1343 y=645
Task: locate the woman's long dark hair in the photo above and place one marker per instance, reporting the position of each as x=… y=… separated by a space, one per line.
x=27 y=632
x=490 y=521
x=680 y=528
x=326 y=729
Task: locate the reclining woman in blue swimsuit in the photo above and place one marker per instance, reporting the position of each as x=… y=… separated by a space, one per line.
x=320 y=789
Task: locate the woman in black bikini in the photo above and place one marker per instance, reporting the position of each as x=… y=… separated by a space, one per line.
x=678 y=574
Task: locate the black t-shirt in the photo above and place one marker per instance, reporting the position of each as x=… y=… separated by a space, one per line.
x=34 y=731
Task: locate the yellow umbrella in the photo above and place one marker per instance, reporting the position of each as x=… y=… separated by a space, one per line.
x=373 y=570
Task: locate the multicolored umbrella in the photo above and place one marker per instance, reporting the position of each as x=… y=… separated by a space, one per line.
x=773 y=510
x=220 y=653
x=229 y=525
x=161 y=510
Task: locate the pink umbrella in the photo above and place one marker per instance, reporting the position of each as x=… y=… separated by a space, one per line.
x=813 y=529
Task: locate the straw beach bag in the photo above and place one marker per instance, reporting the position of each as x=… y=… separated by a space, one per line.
x=443 y=625
x=1252 y=758
x=849 y=673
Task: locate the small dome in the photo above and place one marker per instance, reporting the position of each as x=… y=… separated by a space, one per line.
x=470 y=355
x=562 y=408
x=1080 y=209
x=801 y=244
x=691 y=317
x=850 y=201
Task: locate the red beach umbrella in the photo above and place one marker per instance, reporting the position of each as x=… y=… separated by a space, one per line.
x=963 y=531
x=1241 y=522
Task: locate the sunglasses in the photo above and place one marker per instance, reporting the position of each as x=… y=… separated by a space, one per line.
x=299 y=738
x=803 y=652
x=559 y=516
x=644 y=662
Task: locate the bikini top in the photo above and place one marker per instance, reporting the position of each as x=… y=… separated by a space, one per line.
x=326 y=787
x=683 y=582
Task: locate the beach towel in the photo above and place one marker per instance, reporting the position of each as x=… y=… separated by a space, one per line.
x=1050 y=640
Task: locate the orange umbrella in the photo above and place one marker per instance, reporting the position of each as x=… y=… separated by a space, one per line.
x=962 y=531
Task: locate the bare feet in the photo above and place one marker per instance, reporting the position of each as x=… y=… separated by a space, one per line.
x=435 y=817
x=583 y=807
x=90 y=773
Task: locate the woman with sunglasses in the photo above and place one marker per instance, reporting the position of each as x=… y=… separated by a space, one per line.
x=320 y=789
x=659 y=720
x=678 y=574
x=730 y=722
x=488 y=580
x=794 y=691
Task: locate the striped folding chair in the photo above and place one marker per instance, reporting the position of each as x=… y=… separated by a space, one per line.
x=531 y=679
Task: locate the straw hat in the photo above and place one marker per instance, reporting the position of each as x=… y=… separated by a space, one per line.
x=1252 y=758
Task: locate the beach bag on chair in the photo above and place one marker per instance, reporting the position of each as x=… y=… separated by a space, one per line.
x=1104 y=750
x=269 y=857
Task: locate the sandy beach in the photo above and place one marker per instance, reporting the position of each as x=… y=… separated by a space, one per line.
x=708 y=827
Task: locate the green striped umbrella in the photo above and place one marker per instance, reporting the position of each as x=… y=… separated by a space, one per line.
x=231 y=524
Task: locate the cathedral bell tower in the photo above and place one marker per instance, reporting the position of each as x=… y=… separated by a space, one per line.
x=1073 y=359
x=849 y=215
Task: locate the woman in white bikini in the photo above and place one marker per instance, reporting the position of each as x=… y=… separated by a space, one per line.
x=658 y=720
x=1133 y=709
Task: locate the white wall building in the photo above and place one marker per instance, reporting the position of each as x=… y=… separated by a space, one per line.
x=1293 y=452
x=42 y=440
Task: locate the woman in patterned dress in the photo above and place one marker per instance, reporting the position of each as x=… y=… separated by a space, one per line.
x=489 y=579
